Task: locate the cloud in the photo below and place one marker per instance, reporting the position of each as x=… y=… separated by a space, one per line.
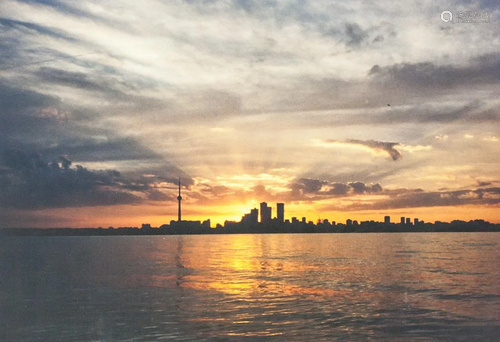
x=28 y=181
x=315 y=189
x=387 y=147
x=361 y=188
x=74 y=79
x=306 y=185
x=300 y=189
x=339 y=189
x=417 y=93
x=39 y=29
x=107 y=149
x=168 y=72
x=482 y=70
x=30 y=120
x=418 y=198
x=355 y=34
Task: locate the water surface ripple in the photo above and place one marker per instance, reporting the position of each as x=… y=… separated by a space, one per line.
x=284 y=287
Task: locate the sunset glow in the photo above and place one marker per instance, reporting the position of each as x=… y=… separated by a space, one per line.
x=337 y=110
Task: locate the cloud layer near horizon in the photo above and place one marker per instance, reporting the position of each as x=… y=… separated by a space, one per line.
x=240 y=99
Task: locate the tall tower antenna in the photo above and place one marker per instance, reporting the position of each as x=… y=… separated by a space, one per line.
x=179 y=198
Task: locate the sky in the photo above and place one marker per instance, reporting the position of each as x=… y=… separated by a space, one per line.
x=338 y=109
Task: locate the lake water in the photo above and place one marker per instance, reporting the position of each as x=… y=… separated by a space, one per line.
x=323 y=287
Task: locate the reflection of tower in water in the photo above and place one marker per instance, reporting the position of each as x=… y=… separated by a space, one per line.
x=178 y=262
x=179 y=198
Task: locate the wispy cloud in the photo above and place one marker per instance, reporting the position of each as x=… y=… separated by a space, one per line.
x=377 y=146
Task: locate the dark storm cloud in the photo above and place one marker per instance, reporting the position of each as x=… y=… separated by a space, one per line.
x=75 y=79
x=28 y=117
x=339 y=189
x=415 y=199
x=28 y=181
x=10 y=47
x=306 y=185
x=482 y=70
x=315 y=189
x=387 y=147
x=411 y=89
x=40 y=29
x=31 y=121
x=109 y=85
x=113 y=149
x=35 y=120
x=155 y=195
x=355 y=34
x=18 y=101
x=361 y=188
x=17 y=49
x=65 y=8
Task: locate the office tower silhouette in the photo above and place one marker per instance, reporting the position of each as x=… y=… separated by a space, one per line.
x=265 y=213
x=280 y=209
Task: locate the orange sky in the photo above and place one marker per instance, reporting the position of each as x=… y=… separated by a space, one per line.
x=337 y=110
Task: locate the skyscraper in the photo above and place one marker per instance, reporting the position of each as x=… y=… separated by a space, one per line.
x=265 y=213
x=254 y=214
x=387 y=219
x=280 y=209
x=251 y=218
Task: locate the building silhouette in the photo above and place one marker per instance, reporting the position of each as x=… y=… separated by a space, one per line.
x=265 y=213
x=387 y=219
x=251 y=218
x=280 y=209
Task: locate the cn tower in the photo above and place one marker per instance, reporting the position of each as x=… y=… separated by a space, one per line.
x=179 y=198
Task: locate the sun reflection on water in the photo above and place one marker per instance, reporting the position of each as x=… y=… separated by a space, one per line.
x=292 y=287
